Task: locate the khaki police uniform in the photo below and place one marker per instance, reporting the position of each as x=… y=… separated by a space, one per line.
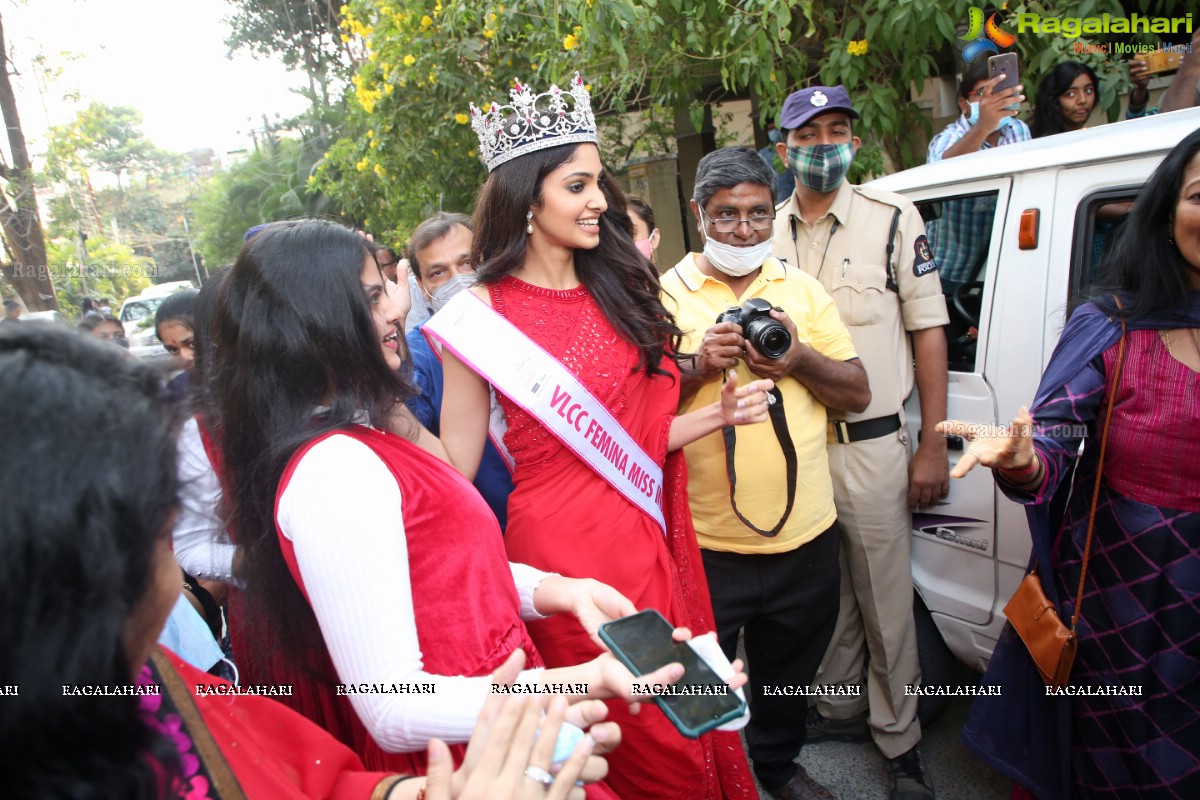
x=880 y=302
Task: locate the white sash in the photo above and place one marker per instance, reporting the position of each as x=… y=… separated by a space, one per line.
x=539 y=383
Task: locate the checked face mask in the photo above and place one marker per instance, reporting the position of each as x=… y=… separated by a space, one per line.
x=821 y=167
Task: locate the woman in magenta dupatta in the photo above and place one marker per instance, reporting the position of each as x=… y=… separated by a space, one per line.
x=1140 y=611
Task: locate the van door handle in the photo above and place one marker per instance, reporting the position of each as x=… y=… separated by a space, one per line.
x=952 y=442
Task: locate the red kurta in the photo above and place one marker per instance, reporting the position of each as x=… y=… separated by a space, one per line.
x=466 y=606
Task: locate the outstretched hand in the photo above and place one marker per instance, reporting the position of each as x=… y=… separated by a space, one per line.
x=745 y=405
x=515 y=733
x=1007 y=447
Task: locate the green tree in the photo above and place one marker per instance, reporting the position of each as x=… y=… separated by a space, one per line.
x=108 y=270
x=302 y=34
x=145 y=211
x=406 y=147
x=271 y=184
x=108 y=138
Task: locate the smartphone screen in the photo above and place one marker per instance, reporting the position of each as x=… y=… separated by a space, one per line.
x=1004 y=64
x=643 y=642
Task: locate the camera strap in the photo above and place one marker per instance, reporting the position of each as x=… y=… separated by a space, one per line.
x=779 y=423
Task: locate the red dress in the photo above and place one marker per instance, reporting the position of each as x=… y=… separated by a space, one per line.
x=564 y=518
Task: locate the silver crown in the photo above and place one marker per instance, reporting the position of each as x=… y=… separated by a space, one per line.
x=533 y=122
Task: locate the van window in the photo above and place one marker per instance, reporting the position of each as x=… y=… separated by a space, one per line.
x=1099 y=219
x=134 y=312
x=960 y=232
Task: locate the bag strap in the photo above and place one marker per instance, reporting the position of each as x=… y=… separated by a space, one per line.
x=1112 y=395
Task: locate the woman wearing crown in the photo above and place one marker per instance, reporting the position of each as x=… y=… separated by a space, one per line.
x=588 y=388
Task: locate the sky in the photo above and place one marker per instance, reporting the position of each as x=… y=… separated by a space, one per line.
x=167 y=59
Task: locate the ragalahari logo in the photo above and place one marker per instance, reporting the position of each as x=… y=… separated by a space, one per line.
x=983 y=38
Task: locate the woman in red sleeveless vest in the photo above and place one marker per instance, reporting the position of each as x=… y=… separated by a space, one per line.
x=553 y=241
x=376 y=579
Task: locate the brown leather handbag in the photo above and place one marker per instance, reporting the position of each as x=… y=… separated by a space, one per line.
x=1052 y=644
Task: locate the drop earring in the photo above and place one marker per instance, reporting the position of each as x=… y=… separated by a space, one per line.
x=529 y=222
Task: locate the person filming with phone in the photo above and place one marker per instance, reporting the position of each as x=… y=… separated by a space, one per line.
x=761 y=495
x=989 y=115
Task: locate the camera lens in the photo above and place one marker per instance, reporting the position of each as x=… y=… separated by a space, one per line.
x=769 y=337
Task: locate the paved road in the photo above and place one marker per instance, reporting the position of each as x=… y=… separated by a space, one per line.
x=855 y=771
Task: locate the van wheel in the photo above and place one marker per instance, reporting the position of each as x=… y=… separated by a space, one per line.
x=938 y=665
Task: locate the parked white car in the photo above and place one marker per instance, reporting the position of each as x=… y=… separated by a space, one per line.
x=1038 y=205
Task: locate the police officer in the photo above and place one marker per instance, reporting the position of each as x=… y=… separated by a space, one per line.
x=868 y=249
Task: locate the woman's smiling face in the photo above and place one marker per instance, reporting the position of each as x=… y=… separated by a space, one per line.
x=572 y=202
x=389 y=303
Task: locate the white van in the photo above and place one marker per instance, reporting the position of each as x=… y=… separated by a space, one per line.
x=1036 y=205
x=137 y=315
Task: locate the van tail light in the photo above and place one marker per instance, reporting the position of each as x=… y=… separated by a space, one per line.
x=1027 y=236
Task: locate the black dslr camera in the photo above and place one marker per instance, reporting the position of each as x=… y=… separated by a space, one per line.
x=769 y=336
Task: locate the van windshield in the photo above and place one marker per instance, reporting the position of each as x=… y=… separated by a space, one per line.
x=141 y=309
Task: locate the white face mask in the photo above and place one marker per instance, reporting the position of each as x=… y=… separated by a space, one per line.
x=442 y=294
x=736 y=261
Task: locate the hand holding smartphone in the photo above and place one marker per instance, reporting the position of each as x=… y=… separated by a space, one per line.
x=1005 y=64
x=701 y=700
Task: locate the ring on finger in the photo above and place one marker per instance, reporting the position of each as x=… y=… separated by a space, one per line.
x=540 y=775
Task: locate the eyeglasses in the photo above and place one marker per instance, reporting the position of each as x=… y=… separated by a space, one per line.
x=757 y=222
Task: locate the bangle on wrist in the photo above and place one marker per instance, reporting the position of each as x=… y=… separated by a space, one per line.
x=1026 y=478
x=1020 y=474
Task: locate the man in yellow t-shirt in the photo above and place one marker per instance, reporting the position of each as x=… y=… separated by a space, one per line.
x=761 y=495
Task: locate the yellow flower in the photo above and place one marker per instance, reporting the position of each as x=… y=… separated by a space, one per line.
x=371 y=56
x=379 y=170
x=426 y=22
x=857 y=47
x=345 y=38
x=461 y=118
x=488 y=33
x=471 y=153
x=371 y=134
x=491 y=17
x=437 y=9
x=361 y=166
x=409 y=60
x=570 y=41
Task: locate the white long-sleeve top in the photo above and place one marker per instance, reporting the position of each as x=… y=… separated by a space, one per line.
x=342 y=512
x=202 y=546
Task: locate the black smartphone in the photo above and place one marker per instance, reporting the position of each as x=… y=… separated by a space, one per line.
x=701 y=700
x=1005 y=64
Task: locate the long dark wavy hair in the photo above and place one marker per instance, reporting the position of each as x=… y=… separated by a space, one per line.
x=89 y=486
x=1047 y=117
x=291 y=333
x=202 y=393
x=1145 y=265
x=622 y=282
